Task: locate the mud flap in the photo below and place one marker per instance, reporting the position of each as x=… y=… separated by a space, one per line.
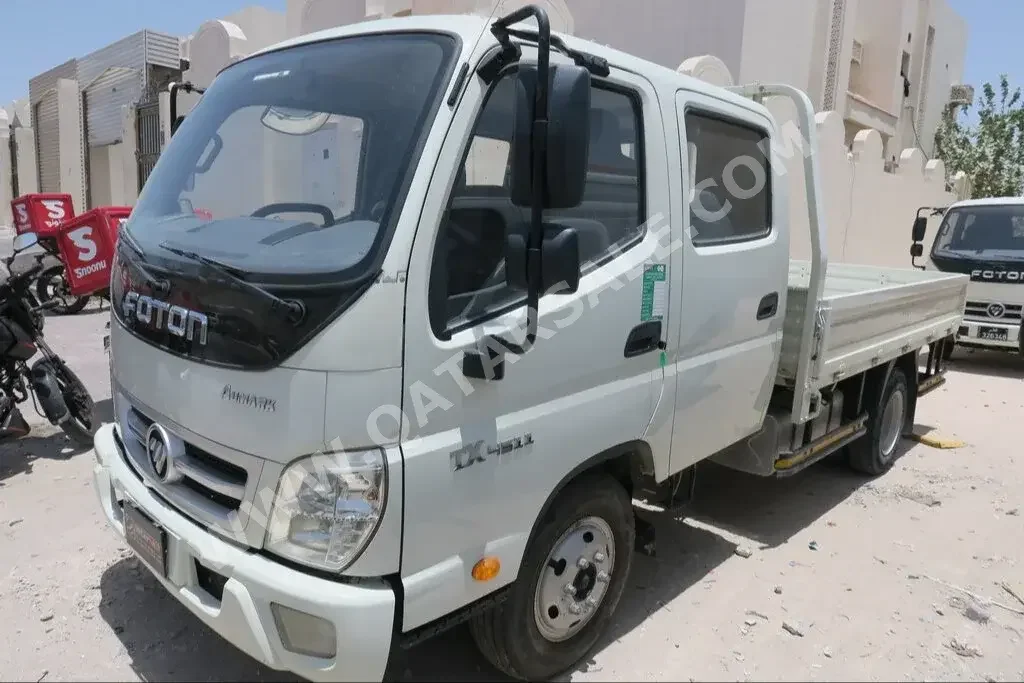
x=44 y=383
x=934 y=374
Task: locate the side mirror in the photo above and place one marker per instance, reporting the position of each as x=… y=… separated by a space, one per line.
x=920 y=228
x=25 y=240
x=568 y=136
x=560 y=260
x=916 y=250
x=176 y=123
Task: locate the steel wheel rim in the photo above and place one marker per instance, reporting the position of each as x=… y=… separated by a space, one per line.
x=892 y=422
x=574 y=579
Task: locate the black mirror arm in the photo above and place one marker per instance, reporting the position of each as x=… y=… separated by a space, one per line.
x=539 y=135
x=187 y=86
x=598 y=66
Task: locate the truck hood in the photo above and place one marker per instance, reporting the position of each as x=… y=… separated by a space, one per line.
x=276 y=414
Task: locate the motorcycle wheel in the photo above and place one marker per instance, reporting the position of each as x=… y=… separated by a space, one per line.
x=53 y=284
x=82 y=424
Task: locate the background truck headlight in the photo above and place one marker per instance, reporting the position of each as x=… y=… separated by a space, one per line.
x=327 y=508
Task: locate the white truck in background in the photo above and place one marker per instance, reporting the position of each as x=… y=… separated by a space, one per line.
x=351 y=416
x=983 y=238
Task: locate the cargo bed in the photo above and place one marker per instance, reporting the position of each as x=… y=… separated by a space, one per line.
x=867 y=315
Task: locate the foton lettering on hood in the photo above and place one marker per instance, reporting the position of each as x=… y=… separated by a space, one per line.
x=179 y=321
x=267 y=405
x=1015 y=276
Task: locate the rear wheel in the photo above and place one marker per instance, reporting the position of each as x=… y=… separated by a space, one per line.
x=571 y=580
x=875 y=452
x=53 y=284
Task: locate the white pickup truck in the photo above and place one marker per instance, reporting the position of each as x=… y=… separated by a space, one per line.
x=410 y=312
x=983 y=238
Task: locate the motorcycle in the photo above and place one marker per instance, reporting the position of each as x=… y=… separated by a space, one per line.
x=57 y=393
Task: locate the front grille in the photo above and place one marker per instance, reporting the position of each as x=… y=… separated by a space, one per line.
x=218 y=481
x=982 y=310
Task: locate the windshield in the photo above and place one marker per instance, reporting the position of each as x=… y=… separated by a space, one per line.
x=293 y=164
x=982 y=233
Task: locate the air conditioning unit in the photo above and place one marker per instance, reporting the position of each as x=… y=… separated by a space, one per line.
x=960 y=94
x=858 y=52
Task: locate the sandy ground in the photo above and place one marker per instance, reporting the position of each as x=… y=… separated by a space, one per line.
x=872 y=579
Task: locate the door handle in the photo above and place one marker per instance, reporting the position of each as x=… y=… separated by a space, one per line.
x=643 y=338
x=768 y=307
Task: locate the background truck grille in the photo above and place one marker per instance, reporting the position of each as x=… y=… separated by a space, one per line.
x=219 y=481
x=982 y=310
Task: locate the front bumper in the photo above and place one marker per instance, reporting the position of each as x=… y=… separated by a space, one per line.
x=972 y=333
x=362 y=612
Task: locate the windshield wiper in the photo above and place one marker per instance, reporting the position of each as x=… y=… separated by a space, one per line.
x=294 y=310
x=159 y=285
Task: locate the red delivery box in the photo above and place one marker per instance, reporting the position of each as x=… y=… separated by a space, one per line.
x=87 y=247
x=41 y=213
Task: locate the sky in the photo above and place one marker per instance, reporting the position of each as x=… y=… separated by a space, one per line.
x=37 y=35
x=993 y=41
x=40 y=34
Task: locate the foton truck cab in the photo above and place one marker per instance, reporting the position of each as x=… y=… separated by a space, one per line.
x=983 y=238
x=409 y=312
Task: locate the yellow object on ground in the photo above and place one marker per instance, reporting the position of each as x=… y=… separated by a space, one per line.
x=937 y=441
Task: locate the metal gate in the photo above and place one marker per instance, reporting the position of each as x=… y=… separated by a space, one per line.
x=147 y=126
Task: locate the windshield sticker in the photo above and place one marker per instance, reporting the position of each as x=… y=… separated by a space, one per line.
x=272 y=74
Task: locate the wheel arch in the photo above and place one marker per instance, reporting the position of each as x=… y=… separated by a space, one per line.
x=625 y=462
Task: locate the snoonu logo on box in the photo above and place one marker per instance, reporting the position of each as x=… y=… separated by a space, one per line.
x=82 y=239
x=21 y=217
x=55 y=212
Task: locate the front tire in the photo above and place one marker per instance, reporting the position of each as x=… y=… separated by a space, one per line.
x=81 y=424
x=572 y=577
x=875 y=452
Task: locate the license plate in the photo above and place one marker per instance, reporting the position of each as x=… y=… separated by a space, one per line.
x=992 y=333
x=145 y=538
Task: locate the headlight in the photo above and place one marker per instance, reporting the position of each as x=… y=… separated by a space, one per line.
x=327 y=508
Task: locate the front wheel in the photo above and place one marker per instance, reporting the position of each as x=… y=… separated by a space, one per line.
x=81 y=425
x=572 y=577
x=53 y=284
x=65 y=400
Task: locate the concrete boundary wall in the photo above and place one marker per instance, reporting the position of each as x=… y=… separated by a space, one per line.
x=868 y=211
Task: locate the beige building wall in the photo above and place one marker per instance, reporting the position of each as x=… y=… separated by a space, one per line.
x=69 y=127
x=6 y=171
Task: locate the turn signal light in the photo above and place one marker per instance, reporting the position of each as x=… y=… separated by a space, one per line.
x=486 y=569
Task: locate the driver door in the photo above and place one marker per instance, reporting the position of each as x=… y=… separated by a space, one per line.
x=498 y=448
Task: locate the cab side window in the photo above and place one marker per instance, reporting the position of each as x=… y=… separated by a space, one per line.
x=730 y=180
x=468 y=272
